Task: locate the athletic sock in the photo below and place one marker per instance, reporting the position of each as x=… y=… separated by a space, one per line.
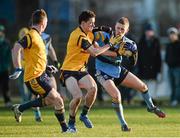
x=72 y=120
x=34 y=103
x=119 y=111
x=61 y=119
x=37 y=112
x=85 y=110
x=147 y=98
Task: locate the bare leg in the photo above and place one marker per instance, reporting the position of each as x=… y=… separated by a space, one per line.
x=54 y=98
x=88 y=83
x=76 y=92
x=134 y=82
x=114 y=92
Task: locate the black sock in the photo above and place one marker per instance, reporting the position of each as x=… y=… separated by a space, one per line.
x=34 y=103
x=72 y=120
x=61 y=118
x=85 y=110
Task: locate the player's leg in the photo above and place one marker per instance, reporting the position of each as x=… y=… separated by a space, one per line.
x=113 y=91
x=53 y=82
x=134 y=82
x=49 y=96
x=36 y=110
x=88 y=83
x=54 y=99
x=73 y=88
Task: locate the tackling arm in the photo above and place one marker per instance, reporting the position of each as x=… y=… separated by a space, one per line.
x=95 y=51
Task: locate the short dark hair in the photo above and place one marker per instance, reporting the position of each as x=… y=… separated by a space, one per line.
x=86 y=15
x=123 y=20
x=38 y=16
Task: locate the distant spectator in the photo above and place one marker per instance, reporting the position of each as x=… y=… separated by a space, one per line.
x=173 y=61
x=149 y=59
x=5 y=63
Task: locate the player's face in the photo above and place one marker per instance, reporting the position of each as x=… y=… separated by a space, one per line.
x=89 y=25
x=44 y=24
x=121 y=29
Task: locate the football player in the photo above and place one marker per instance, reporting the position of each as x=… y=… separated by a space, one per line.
x=35 y=75
x=110 y=73
x=73 y=72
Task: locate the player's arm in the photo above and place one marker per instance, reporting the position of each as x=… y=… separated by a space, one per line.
x=16 y=58
x=110 y=53
x=106 y=53
x=25 y=42
x=16 y=55
x=95 y=51
x=52 y=55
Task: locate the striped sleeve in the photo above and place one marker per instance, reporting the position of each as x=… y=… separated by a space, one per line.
x=26 y=41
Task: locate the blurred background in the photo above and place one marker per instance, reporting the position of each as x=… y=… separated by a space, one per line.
x=63 y=18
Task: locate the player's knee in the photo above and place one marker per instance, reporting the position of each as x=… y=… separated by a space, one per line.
x=58 y=103
x=144 y=87
x=53 y=94
x=77 y=96
x=93 y=90
x=116 y=98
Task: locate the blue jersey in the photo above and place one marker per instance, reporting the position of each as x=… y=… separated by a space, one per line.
x=47 y=41
x=106 y=64
x=109 y=65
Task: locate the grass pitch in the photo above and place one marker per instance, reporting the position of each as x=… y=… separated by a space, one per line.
x=143 y=124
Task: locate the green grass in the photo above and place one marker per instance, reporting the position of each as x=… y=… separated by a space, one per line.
x=143 y=124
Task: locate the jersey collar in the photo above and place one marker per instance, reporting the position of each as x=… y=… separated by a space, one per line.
x=82 y=30
x=36 y=30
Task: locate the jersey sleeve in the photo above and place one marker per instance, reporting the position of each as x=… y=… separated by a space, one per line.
x=83 y=43
x=26 y=41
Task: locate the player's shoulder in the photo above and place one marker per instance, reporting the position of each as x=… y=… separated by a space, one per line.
x=45 y=35
x=126 y=39
x=78 y=31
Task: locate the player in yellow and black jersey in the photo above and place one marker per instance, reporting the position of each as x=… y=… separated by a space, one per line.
x=35 y=68
x=79 y=47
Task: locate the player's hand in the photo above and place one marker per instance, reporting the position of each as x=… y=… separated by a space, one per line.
x=127 y=49
x=57 y=64
x=16 y=73
x=51 y=69
x=114 y=40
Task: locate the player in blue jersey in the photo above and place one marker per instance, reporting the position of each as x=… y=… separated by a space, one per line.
x=110 y=73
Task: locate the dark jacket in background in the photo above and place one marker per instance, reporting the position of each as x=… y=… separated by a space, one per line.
x=173 y=54
x=5 y=56
x=149 y=58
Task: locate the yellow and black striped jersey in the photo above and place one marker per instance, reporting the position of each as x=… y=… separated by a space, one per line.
x=34 y=55
x=76 y=55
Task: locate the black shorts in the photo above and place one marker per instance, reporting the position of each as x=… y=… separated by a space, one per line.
x=40 y=85
x=101 y=76
x=76 y=74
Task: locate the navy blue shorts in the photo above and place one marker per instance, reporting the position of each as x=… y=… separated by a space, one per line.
x=40 y=85
x=76 y=74
x=101 y=76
